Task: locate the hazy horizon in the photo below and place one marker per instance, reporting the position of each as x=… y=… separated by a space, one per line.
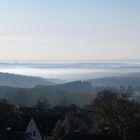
x=76 y=39
x=70 y=70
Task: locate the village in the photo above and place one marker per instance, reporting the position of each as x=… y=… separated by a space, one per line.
x=70 y=122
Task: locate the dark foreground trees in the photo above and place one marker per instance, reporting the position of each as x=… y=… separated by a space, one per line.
x=110 y=113
x=115 y=114
x=9 y=116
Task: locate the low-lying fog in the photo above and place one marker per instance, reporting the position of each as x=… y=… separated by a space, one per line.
x=71 y=70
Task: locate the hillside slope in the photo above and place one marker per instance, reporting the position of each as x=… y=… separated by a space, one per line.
x=14 y=80
x=117 y=81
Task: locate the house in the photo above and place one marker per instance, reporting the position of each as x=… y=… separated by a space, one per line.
x=32 y=132
x=40 y=127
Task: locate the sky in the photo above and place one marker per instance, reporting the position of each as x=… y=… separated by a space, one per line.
x=69 y=29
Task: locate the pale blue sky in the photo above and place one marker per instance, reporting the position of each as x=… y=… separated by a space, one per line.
x=69 y=29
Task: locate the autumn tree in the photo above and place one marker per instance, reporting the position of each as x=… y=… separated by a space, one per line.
x=115 y=114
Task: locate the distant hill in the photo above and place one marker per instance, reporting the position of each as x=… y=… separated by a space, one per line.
x=78 y=93
x=116 y=81
x=15 y=80
x=76 y=86
x=27 y=90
